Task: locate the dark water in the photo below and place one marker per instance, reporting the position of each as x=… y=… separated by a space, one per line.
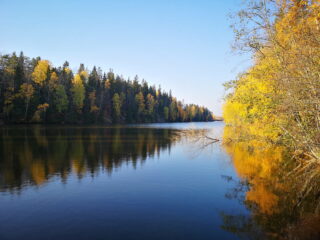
x=134 y=182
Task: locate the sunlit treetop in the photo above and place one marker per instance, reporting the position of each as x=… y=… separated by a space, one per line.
x=40 y=72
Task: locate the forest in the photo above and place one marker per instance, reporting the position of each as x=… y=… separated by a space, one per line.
x=277 y=98
x=34 y=91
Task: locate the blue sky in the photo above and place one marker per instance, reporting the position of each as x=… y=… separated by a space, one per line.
x=182 y=45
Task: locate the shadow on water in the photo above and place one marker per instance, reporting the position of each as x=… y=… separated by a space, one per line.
x=32 y=155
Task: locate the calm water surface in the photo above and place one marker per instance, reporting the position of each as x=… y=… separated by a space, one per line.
x=134 y=182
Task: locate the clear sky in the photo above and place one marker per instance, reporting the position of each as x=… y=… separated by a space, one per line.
x=183 y=45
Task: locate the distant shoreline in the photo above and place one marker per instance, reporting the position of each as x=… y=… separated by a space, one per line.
x=2 y=124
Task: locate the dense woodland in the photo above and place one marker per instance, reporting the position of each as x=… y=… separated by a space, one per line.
x=278 y=97
x=33 y=91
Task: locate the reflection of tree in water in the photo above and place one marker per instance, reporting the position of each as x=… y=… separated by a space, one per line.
x=274 y=190
x=32 y=155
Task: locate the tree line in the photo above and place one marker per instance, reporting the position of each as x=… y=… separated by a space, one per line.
x=34 y=91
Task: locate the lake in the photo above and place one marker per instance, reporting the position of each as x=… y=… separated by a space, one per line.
x=153 y=181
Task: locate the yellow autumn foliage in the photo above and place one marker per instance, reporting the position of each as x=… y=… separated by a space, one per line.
x=40 y=72
x=278 y=97
x=277 y=100
x=26 y=91
x=41 y=109
x=251 y=105
x=53 y=81
x=67 y=70
x=78 y=91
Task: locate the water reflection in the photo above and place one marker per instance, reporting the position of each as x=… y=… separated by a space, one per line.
x=32 y=155
x=283 y=197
